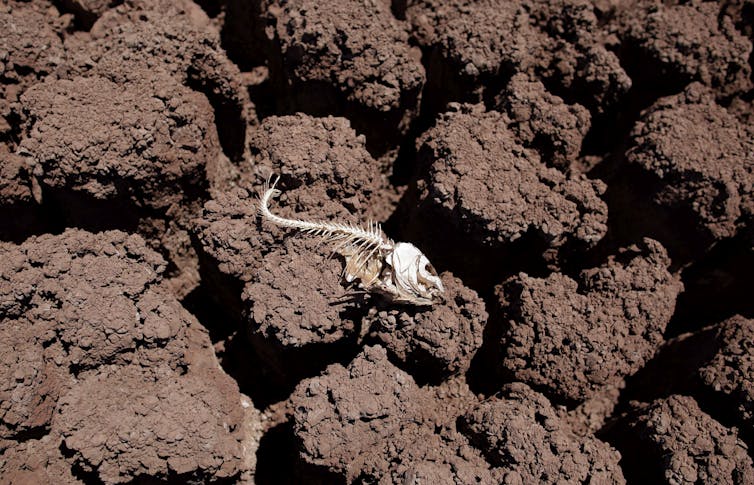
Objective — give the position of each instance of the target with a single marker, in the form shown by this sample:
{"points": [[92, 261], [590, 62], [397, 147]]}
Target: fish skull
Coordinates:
{"points": [[414, 275]]}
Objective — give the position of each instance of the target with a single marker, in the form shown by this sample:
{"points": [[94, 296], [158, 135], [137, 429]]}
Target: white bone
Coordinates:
{"points": [[397, 270]]}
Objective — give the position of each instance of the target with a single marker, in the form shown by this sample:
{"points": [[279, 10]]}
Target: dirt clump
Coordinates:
{"points": [[30, 49], [688, 174], [30, 386], [328, 163], [37, 461], [436, 342], [88, 309], [487, 193], [727, 376], [330, 57], [667, 46], [672, 440], [51, 328], [229, 244], [471, 151], [370, 419], [576, 58], [543, 121], [524, 438], [172, 425], [135, 41], [741, 12], [560, 43], [571, 338], [82, 131], [153, 155], [295, 301], [372, 402], [590, 416], [296, 275], [711, 364]]}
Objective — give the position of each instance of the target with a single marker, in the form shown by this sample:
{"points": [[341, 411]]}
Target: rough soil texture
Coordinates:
{"points": [[37, 461], [295, 300], [674, 441], [332, 58], [231, 245], [102, 359], [292, 301], [322, 161], [14, 187], [484, 190], [728, 374], [479, 173], [671, 45], [437, 342], [142, 38], [526, 441], [79, 133], [371, 420], [149, 152], [560, 42], [693, 161], [572, 338], [171, 425], [31, 49], [82, 131], [713, 365], [543, 121], [579, 172]]}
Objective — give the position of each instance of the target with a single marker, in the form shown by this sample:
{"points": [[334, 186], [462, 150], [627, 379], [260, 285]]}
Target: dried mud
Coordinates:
{"points": [[582, 178]]}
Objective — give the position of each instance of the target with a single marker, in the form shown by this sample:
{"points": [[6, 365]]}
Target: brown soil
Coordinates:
{"points": [[582, 177], [611, 325], [104, 369], [516, 431], [681, 444]]}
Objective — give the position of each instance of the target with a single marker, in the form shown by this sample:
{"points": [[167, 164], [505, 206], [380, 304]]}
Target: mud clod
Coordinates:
{"points": [[475, 164], [572, 338], [328, 57], [38, 461], [560, 42], [492, 197], [82, 131], [437, 342], [30, 49], [291, 286], [522, 436], [178, 426], [175, 39], [91, 334], [728, 375], [543, 121], [689, 163], [671, 45], [327, 164], [672, 440], [371, 420]]}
